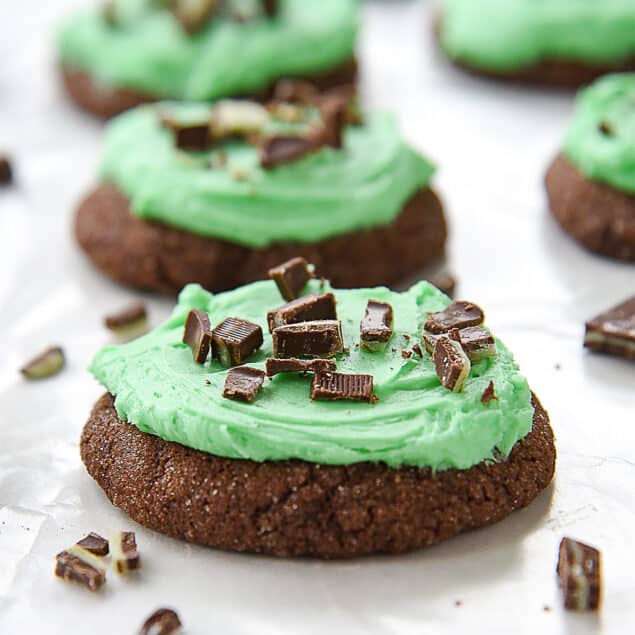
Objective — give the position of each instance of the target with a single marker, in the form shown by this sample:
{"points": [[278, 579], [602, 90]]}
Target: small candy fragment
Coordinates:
{"points": [[80, 566], [308, 308], [580, 576], [243, 383], [291, 277], [123, 547], [6, 172], [161, 622], [129, 323], [477, 342], [196, 334], [276, 151], [235, 340], [46, 364], [94, 543], [294, 365], [321, 338], [459, 314], [613, 331], [376, 327], [328, 386], [488, 393], [451, 363]]}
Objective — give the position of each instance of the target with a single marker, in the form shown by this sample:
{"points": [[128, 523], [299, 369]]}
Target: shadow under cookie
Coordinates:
{"points": [[297, 508], [151, 255], [598, 216]]}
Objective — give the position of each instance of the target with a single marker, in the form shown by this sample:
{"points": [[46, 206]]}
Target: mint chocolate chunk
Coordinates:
{"points": [[276, 151], [193, 15], [328, 386], [376, 326], [94, 543], [321, 338], [161, 622], [235, 340], [130, 322], [459, 314], [451, 363], [123, 548], [46, 364], [477, 342], [488, 393], [80, 566], [196, 334], [308, 308], [295, 365], [291, 277], [243, 383], [613, 331], [193, 137], [580, 576]]}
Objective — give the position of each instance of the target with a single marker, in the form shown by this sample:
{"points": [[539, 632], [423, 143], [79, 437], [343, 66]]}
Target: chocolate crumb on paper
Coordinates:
{"points": [[162, 622]]}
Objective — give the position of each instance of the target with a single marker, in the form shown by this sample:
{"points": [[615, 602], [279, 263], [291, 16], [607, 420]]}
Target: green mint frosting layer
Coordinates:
{"points": [[600, 139], [327, 193], [150, 52], [415, 421], [502, 35]]}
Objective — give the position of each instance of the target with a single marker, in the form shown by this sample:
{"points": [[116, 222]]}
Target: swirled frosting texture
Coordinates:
{"points": [[330, 192], [503, 35], [600, 140], [149, 51], [414, 422]]}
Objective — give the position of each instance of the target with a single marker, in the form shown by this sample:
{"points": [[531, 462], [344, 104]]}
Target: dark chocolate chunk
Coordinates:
{"points": [[94, 543], [6, 172], [44, 365], [295, 91], [606, 129], [80, 566], [416, 349], [279, 150], [376, 326], [333, 109], [161, 622], [322, 338], [488, 393], [235, 340], [445, 282], [243, 383], [477, 342], [328, 386], [613, 331], [459, 314], [270, 7], [308, 308], [451, 363], [196, 334], [194, 137], [580, 576], [130, 322], [193, 15], [294, 365], [291, 277], [125, 556]]}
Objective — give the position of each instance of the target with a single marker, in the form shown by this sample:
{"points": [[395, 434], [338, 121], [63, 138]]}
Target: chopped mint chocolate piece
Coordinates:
{"points": [[295, 365], [376, 327], [80, 566], [321, 338], [488, 393], [161, 622], [130, 322], [94, 543], [308, 308], [276, 151], [328, 386], [196, 334], [580, 575], [235, 340], [243, 383], [613, 331], [451, 363], [477, 342], [46, 364], [123, 547], [459, 314], [291, 277]]}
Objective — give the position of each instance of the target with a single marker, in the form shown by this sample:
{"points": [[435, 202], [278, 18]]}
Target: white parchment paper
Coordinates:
{"points": [[492, 144]]}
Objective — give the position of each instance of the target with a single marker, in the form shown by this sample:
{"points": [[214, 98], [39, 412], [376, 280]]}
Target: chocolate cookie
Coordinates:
{"points": [[151, 255], [106, 102], [597, 215], [294, 508]]}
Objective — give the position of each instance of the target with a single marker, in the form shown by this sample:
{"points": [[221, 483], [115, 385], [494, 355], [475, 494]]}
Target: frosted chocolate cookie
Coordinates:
{"points": [[129, 52], [557, 42], [591, 182], [302, 440], [217, 194]]}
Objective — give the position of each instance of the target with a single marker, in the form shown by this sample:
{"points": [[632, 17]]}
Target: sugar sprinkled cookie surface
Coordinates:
{"points": [[415, 420]]}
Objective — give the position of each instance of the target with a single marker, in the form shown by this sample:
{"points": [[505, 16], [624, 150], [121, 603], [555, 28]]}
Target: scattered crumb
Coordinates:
{"points": [[547, 609], [406, 354], [208, 382], [458, 603], [558, 367]]}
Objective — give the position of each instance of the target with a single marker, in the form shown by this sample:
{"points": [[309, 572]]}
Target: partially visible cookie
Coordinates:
{"points": [[557, 43], [591, 183], [296, 508]]}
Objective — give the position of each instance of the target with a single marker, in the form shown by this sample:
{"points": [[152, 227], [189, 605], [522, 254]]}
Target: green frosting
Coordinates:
{"points": [[150, 52], [327, 193], [503, 35], [415, 421], [600, 140]]}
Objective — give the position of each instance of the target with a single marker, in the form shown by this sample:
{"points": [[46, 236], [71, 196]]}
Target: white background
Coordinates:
{"points": [[492, 144]]}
